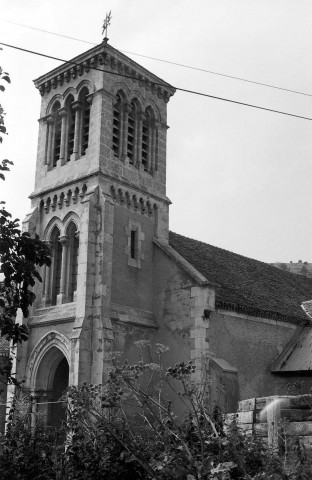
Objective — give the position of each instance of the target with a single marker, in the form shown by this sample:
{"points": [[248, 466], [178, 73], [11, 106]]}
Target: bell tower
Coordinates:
{"points": [[103, 117], [99, 201]]}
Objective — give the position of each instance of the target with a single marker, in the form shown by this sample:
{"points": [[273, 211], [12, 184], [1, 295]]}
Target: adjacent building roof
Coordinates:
{"points": [[297, 356], [307, 308], [246, 285]]}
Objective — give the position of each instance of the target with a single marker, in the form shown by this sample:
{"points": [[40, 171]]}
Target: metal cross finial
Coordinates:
{"points": [[106, 23]]}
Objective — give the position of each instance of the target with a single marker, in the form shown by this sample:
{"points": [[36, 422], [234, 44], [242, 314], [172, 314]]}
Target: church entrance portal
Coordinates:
{"points": [[51, 383]]}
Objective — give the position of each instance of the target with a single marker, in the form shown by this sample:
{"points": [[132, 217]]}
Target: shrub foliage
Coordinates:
{"points": [[128, 428]]}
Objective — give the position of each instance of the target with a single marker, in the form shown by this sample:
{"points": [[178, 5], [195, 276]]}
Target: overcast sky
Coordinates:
{"points": [[239, 178]]}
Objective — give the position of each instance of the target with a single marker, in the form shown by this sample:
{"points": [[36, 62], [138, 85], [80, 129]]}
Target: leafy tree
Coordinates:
{"points": [[304, 270], [20, 255]]}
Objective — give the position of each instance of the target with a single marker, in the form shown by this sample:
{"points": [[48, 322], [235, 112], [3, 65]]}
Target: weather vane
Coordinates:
{"points": [[106, 23]]}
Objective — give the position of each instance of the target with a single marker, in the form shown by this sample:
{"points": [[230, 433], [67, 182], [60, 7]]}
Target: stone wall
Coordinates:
{"points": [[278, 420], [251, 344]]}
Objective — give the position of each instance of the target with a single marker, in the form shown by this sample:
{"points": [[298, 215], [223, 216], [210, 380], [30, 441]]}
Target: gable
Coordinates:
{"points": [[246, 285]]}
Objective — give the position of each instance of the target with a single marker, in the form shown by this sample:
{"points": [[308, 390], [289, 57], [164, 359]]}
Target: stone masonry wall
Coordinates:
{"points": [[251, 344]]}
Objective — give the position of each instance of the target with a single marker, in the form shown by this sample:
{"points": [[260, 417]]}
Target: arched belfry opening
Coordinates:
{"points": [[51, 383]]}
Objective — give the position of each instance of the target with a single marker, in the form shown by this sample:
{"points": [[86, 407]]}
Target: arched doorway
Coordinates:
{"points": [[51, 383]]}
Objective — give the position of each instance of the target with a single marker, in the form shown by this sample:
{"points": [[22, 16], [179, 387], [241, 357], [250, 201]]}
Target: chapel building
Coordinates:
{"points": [[117, 274]]}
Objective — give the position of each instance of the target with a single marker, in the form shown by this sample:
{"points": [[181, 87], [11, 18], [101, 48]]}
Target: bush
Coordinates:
{"points": [[128, 429]]}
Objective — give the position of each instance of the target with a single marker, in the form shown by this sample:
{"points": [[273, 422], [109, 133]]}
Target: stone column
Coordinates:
{"points": [[62, 296], [33, 414], [46, 300], [63, 114], [77, 108], [51, 124]]}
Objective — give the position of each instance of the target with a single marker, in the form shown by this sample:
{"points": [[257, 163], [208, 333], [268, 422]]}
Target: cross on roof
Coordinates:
{"points": [[106, 23]]}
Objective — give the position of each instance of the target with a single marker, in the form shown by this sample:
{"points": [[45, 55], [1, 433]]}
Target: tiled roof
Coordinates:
{"points": [[307, 308], [246, 285], [297, 356]]}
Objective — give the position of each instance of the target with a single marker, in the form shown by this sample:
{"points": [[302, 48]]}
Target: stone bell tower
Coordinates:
{"points": [[99, 200]]}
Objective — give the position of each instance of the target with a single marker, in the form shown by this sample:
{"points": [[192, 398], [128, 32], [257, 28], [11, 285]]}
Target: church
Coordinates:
{"points": [[118, 274]]}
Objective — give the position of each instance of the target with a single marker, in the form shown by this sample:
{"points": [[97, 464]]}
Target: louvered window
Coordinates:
{"points": [[73, 253], [131, 133], [74, 273], [117, 127], [57, 264], [85, 122], [70, 132], [57, 135], [145, 141]]}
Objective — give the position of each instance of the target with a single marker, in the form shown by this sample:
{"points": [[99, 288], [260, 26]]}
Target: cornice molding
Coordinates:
{"points": [[110, 60], [124, 183]]}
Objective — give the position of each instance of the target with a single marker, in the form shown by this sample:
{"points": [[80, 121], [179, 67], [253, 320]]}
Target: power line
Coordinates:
{"points": [[190, 67], [71, 62], [51, 33]]}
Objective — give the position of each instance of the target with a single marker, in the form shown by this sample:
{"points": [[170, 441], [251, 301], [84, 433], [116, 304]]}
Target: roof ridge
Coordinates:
{"points": [[183, 263], [266, 264], [247, 285]]}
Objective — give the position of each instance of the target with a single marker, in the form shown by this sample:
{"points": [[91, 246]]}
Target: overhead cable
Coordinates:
{"points": [[190, 67], [193, 92]]}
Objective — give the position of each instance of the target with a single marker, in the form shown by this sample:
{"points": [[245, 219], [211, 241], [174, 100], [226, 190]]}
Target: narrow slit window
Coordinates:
{"points": [[133, 247]]}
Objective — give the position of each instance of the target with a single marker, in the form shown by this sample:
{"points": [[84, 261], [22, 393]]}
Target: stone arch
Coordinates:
{"points": [[85, 83], [56, 98], [71, 217], [48, 377], [48, 349], [83, 92], [121, 87], [123, 95], [137, 95], [154, 108], [69, 91], [138, 101], [55, 221]]}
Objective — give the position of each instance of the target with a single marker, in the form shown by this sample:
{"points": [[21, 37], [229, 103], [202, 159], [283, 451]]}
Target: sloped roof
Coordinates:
{"points": [[297, 356], [307, 308], [247, 285]]}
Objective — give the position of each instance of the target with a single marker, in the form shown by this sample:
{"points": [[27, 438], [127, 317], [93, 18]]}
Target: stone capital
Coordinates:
{"points": [[62, 112], [127, 107], [50, 119], [77, 105], [141, 116], [64, 240], [44, 119], [89, 98]]}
